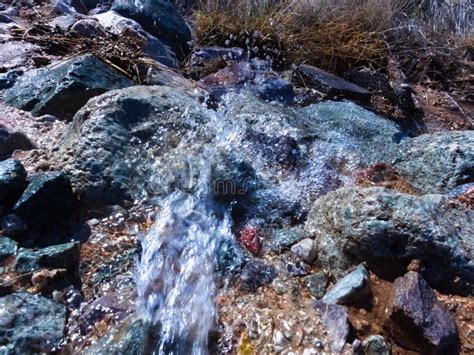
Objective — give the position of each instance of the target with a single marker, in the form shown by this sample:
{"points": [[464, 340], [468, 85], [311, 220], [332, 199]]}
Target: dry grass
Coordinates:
{"points": [[336, 36], [333, 34]]}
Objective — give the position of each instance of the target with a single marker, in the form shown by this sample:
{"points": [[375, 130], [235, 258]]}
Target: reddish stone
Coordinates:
{"points": [[249, 238]]}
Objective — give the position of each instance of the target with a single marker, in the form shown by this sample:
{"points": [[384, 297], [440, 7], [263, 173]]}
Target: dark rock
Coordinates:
{"points": [[8, 79], [159, 18], [154, 48], [30, 324], [306, 250], [13, 226], [97, 150], [438, 162], [376, 345], [72, 298], [131, 336], [317, 283], [296, 269], [419, 320], [48, 200], [62, 89], [57, 256], [255, 274], [351, 289], [5, 19], [88, 28], [12, 181], [11, 141], [8, 248], [386, 227], [275, 89], [335, 322], [209, 55], [41, 61], [63, 7], [117, 305], [230, 257], [369, 79], [328, 83]]}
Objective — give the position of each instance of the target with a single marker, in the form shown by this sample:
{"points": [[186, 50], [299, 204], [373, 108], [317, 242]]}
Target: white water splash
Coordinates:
{"points": [[176, 285]]}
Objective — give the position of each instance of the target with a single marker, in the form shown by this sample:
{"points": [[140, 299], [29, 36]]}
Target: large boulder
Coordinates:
{"points": [[111, 150], [418, 320], [62, 89], [387, 229], [48, 200], [12, 181], [438, 162], [30, 324], [131, 143], [159, 18]]}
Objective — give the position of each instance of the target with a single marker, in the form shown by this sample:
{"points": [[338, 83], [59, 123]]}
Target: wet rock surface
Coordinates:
{"points": [[62, 89], [377, 224], [30, 323]]}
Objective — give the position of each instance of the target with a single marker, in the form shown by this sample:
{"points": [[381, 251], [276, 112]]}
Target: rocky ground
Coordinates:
{"points": [[351, 207]]}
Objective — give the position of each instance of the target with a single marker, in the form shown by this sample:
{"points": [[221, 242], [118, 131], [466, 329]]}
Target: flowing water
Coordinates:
{"points": [[274, 159]]}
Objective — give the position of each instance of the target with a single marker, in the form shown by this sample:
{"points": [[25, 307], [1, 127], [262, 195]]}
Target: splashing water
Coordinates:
{"points": [[176, 285]]}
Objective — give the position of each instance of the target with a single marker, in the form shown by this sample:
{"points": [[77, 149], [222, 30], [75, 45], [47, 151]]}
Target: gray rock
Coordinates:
{"points": [[30, 324], [335, 322], [306, 250], [64, 256], [376, 345], [328, 83], [12, 181], [62, 89], [351, 289], [8, 248], [64, 22], [437, 162], [317, 283], [48, 198], [11, 141], [154, 48], [63, 7], [14, 54], [88, 28], [160, 19], [98, 150], [352, 225], [132, 336], [419, 321], [285, 238]]}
